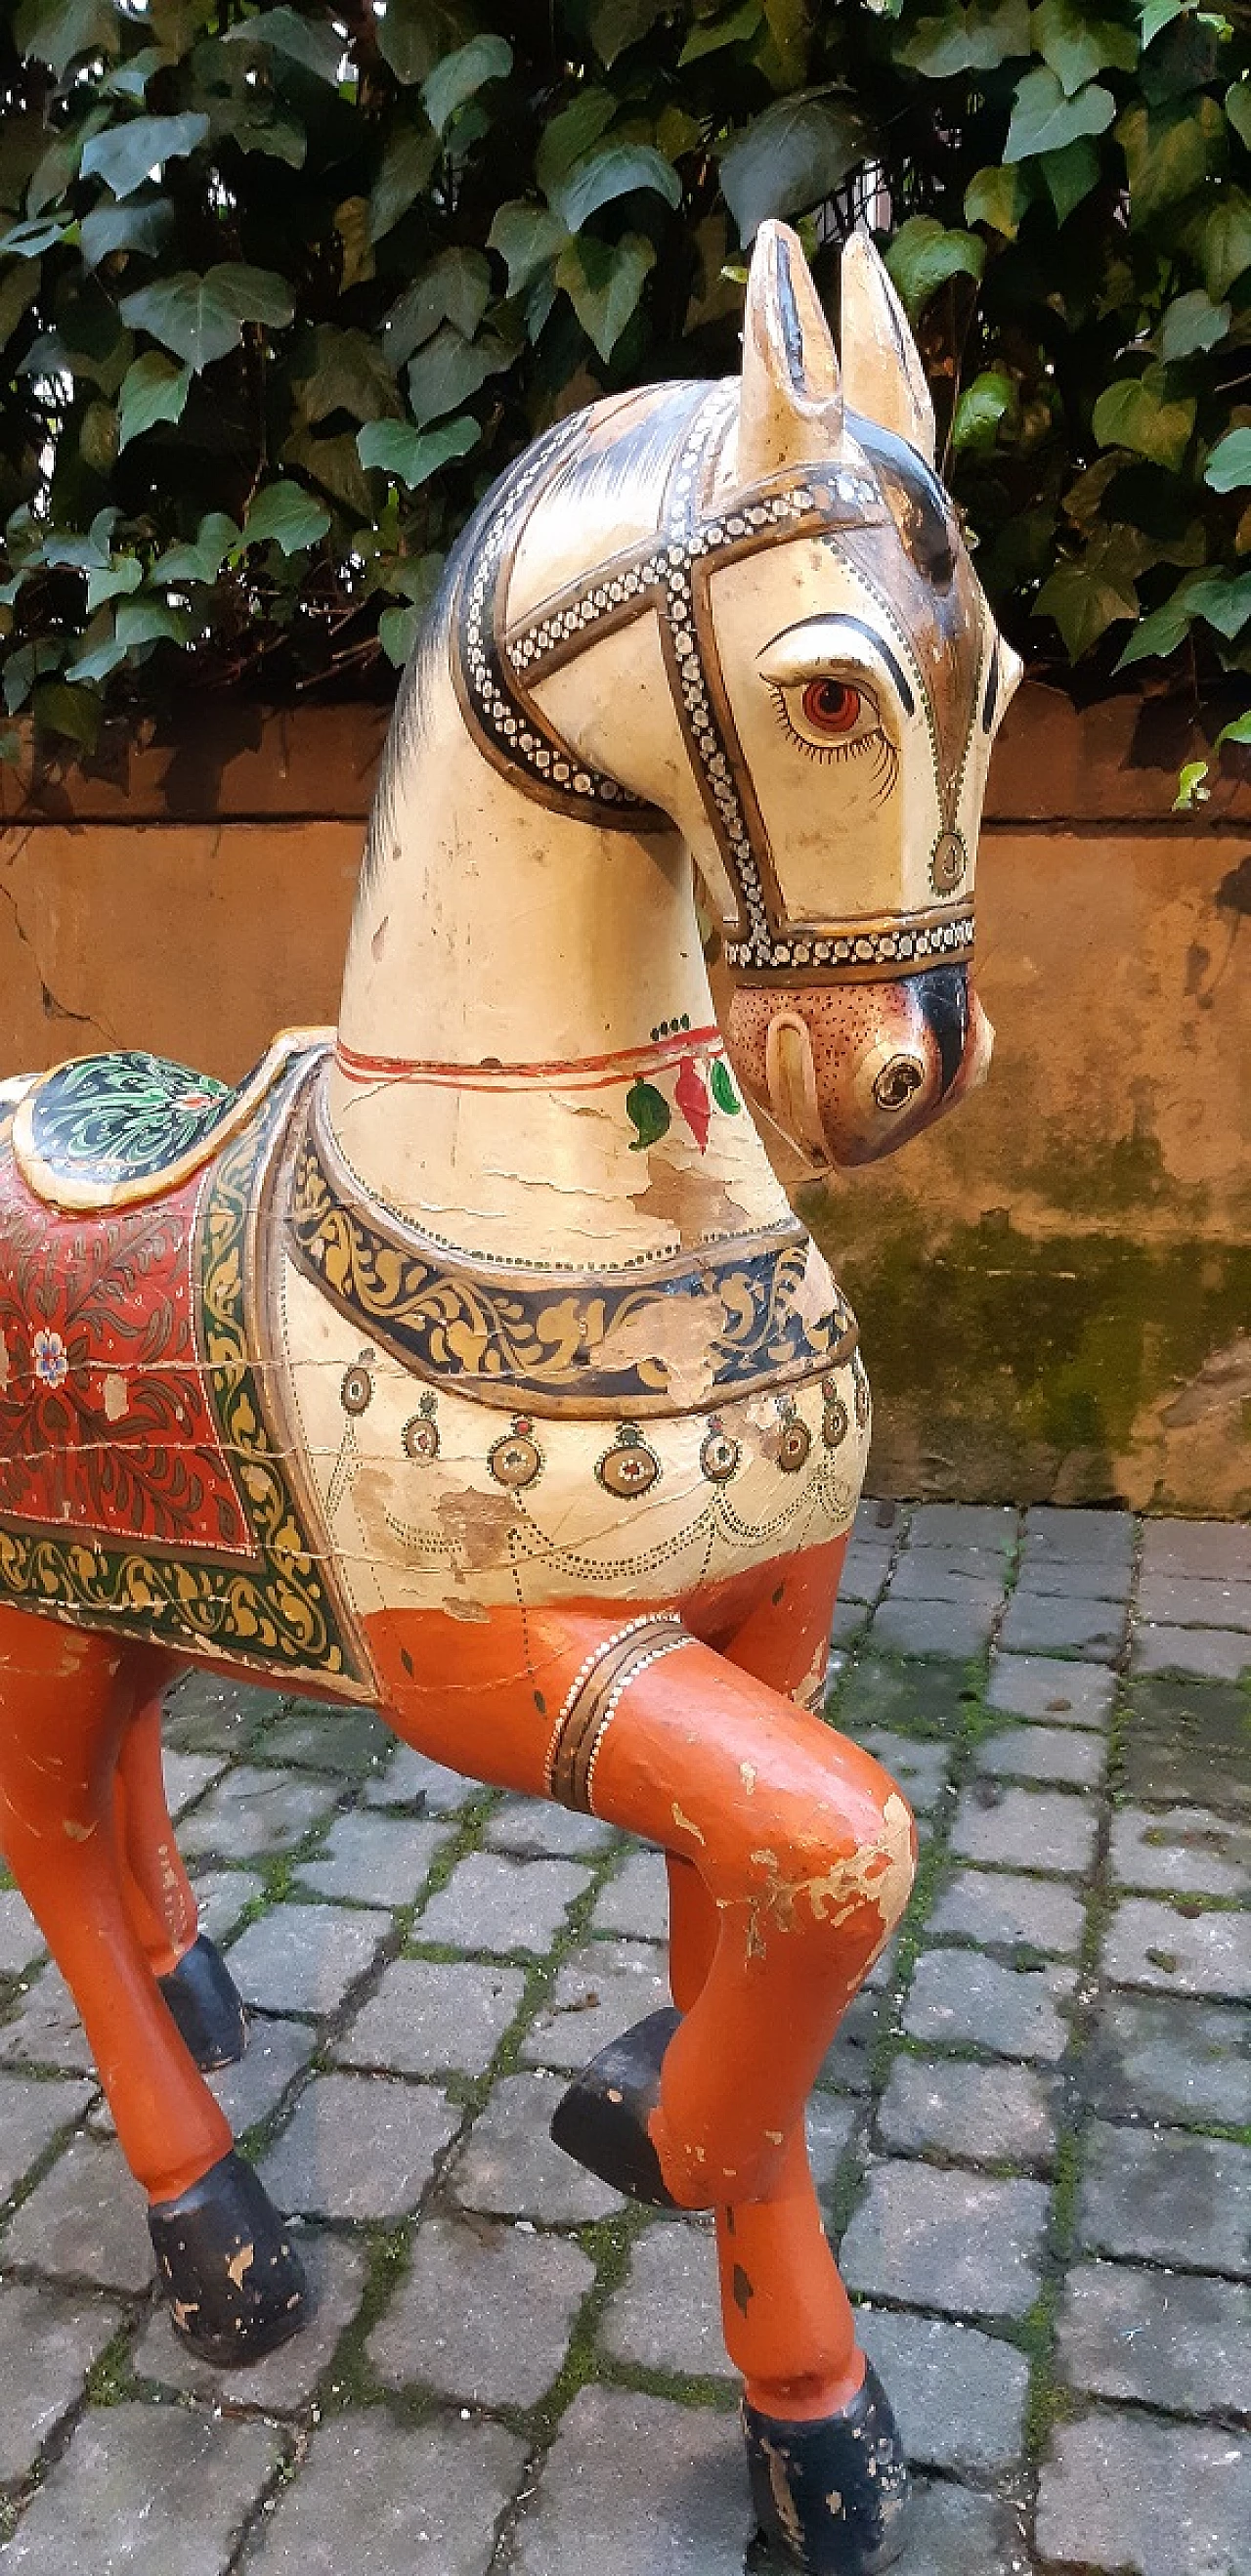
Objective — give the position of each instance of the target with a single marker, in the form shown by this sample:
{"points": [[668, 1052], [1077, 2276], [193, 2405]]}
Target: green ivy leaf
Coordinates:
{"points": [[614, 170], [615, 25], [983, 408], [975, 39], [456, 288], [461, 75], [130, 79], [714, 33], [1044, 118], [346, 371], [150, 621], [414, 33], [570, 135], [403, 174], [1226, 242], [1088, 593], [72, 712], [604, 281], [1158, 14], [1138, 412], [145, 228], [316, 47], [1077, 45], [450, 370], [397, 633], [527, 237], [791, 158], [18, 289], [1166, 153], [217, 537], [351, 223], [285, 515], [31, 240], [333, 464], [114, 581], [57, 168], [56, 32], [202, 318], [1238, 109], [923, 255], [153, 389], [1071, 174], [1000, 197], [1229, 465], [414, 455], [98, 438], [1222, 599], [89, 553], [1192, 323], [125, 155]]}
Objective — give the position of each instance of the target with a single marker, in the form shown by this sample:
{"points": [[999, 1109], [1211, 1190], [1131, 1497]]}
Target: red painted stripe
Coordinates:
{"points": [[482, 1076]]}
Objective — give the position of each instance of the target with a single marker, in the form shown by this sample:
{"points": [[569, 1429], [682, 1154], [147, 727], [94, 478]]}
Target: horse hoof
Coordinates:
{"points": [[602, 2120], [208, 2012], [831, 2497], [229, 2270]]}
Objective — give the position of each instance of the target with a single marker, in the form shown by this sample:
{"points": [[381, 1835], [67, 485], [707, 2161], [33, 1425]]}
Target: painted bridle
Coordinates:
{"points": [[497, 669]]}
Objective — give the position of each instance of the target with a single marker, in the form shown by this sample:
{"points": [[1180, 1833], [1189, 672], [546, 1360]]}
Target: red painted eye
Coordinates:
{"points": [[831, 706]]}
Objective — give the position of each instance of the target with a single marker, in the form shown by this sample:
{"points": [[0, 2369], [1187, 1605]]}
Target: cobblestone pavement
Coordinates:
{"points": [[1031, 2133]]}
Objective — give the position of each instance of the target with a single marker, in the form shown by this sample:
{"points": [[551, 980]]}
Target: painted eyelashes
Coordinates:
{"points": [[830, 719]]}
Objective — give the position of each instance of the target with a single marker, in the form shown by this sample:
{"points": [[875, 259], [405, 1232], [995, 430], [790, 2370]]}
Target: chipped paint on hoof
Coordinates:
{"points": [[228, 2267], [206, 2006], [602, 2120], [831, 2496]]}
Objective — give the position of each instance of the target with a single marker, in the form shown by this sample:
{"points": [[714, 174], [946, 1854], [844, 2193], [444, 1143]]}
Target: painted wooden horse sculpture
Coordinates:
{"points": [[472, 1364]]}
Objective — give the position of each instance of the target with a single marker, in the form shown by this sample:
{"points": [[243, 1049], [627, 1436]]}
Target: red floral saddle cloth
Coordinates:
{"points": [[146, 1479]]}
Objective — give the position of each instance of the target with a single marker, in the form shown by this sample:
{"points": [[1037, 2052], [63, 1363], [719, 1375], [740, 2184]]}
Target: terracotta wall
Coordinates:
{"points": [[1054, 1286]]}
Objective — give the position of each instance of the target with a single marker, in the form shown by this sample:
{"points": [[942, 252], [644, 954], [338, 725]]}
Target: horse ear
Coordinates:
{"points": [[884, 377], [790, 402]]}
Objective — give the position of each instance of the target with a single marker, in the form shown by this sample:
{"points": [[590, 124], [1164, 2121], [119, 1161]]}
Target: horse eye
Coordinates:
{"points": [[832, 707]]}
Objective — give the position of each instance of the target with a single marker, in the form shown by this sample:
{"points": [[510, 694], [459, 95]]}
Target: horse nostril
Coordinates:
{"points": [[897, 1082]]}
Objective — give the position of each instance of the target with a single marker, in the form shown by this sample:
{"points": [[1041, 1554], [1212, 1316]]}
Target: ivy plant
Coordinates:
{"points": [[282, 288]]}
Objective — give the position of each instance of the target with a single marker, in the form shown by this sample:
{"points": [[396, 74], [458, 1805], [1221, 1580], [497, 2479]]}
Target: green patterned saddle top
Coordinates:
{"points": [[107, 1130]]}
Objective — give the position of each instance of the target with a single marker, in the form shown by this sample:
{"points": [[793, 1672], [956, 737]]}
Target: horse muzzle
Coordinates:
{"points": [[850, 1071]]}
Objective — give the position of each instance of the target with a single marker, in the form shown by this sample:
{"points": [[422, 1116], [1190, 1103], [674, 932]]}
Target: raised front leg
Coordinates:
{"points": [[189, 1968], [228, 2268]]}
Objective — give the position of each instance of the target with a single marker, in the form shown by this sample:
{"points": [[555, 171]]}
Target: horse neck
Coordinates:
{"points": [[509, 972]]}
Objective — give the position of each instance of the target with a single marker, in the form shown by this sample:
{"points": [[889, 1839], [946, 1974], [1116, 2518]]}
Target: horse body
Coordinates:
{"points": [[472, 1364]]}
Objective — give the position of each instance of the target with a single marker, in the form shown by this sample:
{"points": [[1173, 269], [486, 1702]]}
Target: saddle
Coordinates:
{"points": [[108, 1131]]}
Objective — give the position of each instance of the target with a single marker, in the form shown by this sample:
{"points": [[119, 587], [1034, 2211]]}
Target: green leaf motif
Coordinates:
{"points": [[1044, 118], [403, 173], [1137, 412], [143, 228], [610, 171], [414, 455], [604, 282], [527, 237], [649, 1114], [202, 318], [1229, 466], [1077, 45], [461, 75], [791, 158], [125, 155], [721, 1085], [153, 388], [316, 47], [998, 196], [284, 514], [923, 255], [975, 39]]}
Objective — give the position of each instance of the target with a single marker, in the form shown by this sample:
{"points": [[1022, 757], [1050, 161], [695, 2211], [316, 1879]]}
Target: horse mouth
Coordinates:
{"points": [[851, 1072]]}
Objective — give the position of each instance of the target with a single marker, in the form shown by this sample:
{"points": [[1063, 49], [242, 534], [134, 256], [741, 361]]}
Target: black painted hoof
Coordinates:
{"points": [[229, 2270], [202, 1997], [831, 2497], [602, 2120]]}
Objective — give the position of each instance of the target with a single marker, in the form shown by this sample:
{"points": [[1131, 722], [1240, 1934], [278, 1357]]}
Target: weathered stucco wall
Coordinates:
{"points": [[1054, 1285]]}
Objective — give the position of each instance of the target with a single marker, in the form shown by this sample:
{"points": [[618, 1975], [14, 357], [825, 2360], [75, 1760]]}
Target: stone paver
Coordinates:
{"points": [[49, 2339], [1058, 1623], [21, 1941], [1172, 2061], [535, 1830], [1000, 1909], [222, 1896], [304, 1958], [493, 1903], [187, 1775], [930, 1574], [1213, 1654], [962, 2243], [30, 2116], [958, 2395], [1165, 2197], [45, 2030], [485, 2313], [151, 2491], [919, 1768], [359, 2146], [252, 1814], [667, 2313], [276, 2052], [1040, 1829], [1194, 1601], [204, 1714], [1212, 1551], [636, 1901], [960, 1999], [284, 2381], [986, 2115], [350, 1742], [637, 2481], [1079, 1537], [513, 2167], [430, 2015], [922, 1698], [1043, 1686], [86, 2220], [598, 1993], [1185, 1744], [378, 1860], [1059, 1753], [1183, 2344], [956, 1629], [983, 1525], [1189, 1851], [1149, 1943], [408, 1779], [384, 2499], [1123, 2491]]}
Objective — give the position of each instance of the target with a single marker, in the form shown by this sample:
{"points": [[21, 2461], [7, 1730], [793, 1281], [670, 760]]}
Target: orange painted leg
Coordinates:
{"points": [[65, 1699], [192, 1975]]}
